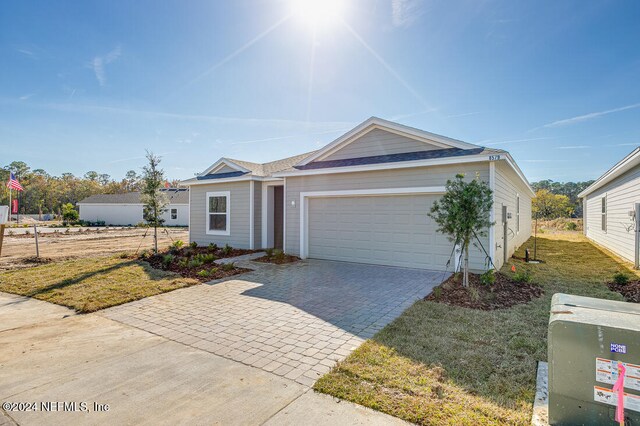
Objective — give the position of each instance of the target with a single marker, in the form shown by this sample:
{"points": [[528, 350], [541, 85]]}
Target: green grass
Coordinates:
{"points": [[437, 364], [90, 284]]}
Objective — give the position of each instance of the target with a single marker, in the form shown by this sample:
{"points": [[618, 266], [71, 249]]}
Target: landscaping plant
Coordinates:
{"points": [[154, 200], [620, 278], [463, 214]]}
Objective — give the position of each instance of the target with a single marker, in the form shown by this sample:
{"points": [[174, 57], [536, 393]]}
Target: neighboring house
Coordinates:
{"points": [[126, 209], [611, 206], [362, 198]]}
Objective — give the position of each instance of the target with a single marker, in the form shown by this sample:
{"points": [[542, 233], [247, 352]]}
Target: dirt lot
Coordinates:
{"points": [[17, 250]]}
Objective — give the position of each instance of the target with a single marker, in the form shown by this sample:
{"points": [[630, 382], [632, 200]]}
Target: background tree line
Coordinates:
{"points": [[45, 193], [558, 199]]}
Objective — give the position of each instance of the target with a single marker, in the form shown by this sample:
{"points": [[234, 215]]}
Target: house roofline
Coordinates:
{"points": [[195, 181], [376, 122], [629, 161]]}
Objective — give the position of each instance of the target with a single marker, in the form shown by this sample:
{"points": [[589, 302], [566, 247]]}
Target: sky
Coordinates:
{"points": [[91, 85]]}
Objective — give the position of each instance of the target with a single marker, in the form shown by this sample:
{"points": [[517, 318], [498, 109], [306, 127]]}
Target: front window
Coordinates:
{"points": [[218, 213], [174, 214]]}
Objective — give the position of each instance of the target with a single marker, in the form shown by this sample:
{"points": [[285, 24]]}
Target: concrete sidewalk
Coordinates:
{"points": [[50, 355]]}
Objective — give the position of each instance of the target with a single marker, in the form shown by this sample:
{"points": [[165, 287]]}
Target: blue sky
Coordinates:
{"points": [[90, 85]]}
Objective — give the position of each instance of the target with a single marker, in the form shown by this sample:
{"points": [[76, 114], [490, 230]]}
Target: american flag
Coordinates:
{"points": [[13, 183]]}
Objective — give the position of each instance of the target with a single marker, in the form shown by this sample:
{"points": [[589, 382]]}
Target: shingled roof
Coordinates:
{"points": [[175, 196], [394, 158]]}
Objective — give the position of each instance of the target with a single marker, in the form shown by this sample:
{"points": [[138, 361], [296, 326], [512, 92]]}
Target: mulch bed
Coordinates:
{"points": [[287, 258], [215, 271], [630, 290], [504, 293]]}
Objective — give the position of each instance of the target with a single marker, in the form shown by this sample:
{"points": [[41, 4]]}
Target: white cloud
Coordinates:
{"points": [[99, 63], [590, 116], [25, 97], [405, 12], [572, 147], [513, 141]]}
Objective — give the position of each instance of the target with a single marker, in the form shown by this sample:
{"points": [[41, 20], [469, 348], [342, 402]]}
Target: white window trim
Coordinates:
{"points": [[304, 204], [605, 213], [226, 194], [517, 214]]}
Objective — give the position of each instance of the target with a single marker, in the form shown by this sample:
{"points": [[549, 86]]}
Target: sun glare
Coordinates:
{"points": [[318, 13]]}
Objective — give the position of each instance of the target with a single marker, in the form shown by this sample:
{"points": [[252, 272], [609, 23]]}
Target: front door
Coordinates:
{"points": [[278, 216]]}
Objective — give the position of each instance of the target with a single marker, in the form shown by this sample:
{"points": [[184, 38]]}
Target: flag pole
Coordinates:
{"points": [[10, 206]]}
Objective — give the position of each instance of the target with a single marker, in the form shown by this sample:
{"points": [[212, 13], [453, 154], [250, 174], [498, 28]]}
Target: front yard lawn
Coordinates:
{"points": [[440, 364], [90, 284]]}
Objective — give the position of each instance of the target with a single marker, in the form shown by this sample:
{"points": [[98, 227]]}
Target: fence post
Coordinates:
{"points": [[35, 233], [1, 237]]}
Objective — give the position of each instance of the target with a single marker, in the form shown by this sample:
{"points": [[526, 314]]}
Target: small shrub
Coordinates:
{"points": [[10, 233], [226, 250], [144, 254], [195, 263], [213, 247], [620, 278], [209, 258], [167, 259], [177, 244], [488, 278], [204, 273], [193, 245], [571, 226], [27, 232], [228, 267], [474, 293], [123, 255], [269, 253], [522, 277], [278, 255], [183, 263]]}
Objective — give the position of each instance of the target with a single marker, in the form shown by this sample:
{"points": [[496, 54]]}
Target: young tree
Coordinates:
{"points": [[463, 214], [69, 213], [154, 200], [546, 205]]}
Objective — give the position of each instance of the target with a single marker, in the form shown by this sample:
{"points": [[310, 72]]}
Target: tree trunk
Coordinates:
{"points": [[465, 281], [155, 238]]}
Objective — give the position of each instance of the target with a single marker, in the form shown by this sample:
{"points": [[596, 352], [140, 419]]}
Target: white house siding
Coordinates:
{"points": [[622, 194], [183, 215], [112, 214], [129, 214], [396, 178], [239, 217], [507, 188], [380, 142]]}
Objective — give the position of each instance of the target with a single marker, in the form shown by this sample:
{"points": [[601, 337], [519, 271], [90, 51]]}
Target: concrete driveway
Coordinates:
{"points": [[192, 355], [292, 320]]}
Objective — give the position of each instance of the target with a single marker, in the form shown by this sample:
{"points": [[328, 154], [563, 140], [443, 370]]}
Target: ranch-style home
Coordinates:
{"points": [[362, 198], [612, 208], [126, 209]]}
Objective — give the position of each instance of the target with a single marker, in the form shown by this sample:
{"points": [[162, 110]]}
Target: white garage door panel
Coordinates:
{"points": [[387, 230]]}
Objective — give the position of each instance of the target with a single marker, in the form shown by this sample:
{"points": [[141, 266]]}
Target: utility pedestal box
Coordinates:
{"points": [[587, 337]]}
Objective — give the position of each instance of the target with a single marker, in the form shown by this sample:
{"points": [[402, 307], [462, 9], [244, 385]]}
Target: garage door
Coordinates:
{"points": [[383, 230]]}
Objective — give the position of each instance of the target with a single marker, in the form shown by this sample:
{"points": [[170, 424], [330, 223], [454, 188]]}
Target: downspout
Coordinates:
{"points": [[251, 215]]}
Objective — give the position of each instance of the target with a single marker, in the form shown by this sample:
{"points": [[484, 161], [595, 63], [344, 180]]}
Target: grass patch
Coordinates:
{"points": [[90, 284], [440, 364]]}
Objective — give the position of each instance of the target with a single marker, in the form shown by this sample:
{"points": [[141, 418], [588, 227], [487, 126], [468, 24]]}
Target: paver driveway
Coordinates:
{"points": [[293, 320]]}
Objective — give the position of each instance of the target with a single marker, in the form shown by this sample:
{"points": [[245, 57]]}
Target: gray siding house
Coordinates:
{"points": [[362, 198], [611, 209]]}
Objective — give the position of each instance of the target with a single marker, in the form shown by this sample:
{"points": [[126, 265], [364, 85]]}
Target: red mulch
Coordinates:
{"points": [[287, 258], [630, 290], [504, 293]]}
